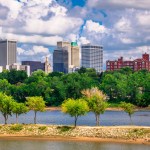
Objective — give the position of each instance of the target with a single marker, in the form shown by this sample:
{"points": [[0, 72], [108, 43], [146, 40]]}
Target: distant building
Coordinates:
{"points": [[8, 52], [60, 60], [75, 55], [17, 66], [92, 57], [135, 65], [37, 65], [66, 57]]}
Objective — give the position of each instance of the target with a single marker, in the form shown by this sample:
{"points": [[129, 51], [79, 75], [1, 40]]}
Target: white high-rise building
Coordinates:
{"points": [[92, 57], [8, 52]]}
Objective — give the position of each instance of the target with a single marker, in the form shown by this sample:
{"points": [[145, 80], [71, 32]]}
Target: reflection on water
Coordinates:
{"points": [[51, 145], [107, 119]]}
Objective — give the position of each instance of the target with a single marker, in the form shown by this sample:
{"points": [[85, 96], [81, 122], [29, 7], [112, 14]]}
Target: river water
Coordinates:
{"points": [[109, 118], [60, 145]]}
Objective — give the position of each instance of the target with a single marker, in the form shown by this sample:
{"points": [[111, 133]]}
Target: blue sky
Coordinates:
{"points": [[121, 26]]}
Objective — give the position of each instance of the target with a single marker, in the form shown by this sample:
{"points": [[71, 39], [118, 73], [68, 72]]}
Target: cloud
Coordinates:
{"points": [[55, 25], [118, 4], [91, 26], [120, 26], [83, 40], [143, 19], [34, 39], [93, 32], [34, 53]]}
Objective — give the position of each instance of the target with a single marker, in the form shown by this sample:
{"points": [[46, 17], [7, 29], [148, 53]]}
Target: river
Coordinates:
{"points": [[109, 118], [60, 145]]}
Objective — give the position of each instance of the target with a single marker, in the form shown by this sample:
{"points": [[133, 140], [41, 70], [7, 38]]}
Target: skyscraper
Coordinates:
{"points": [[66, 57], [8, 52], [92, 57], [75, 57]]}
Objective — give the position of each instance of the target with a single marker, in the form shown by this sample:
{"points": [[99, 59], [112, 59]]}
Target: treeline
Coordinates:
{"points": [[123, 85]]}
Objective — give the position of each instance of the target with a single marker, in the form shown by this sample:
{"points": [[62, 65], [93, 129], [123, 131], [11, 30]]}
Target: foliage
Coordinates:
{"points": [[6, 105], [4, 86], [36, 104], [96, 102], [75, 108], [18, 109], [17, 127], [14, 76], [126, 85], [54, 88], [128, 108]]}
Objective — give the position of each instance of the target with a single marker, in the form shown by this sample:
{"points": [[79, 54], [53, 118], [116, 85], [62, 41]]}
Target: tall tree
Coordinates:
{"points": [[96, 102], [18, 109], [128, 108], [6, 105], [36, 104], [75, 108]]}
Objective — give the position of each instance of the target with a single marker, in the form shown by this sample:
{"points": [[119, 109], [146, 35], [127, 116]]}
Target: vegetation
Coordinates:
{"points": [[36, 104], [54, 88], [17, 127], [75, 108], [96, 102], [6, 105], [128, 108], [18, 109]]}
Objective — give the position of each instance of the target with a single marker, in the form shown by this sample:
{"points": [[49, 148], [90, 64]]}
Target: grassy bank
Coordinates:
{"points": [[125, 133]]}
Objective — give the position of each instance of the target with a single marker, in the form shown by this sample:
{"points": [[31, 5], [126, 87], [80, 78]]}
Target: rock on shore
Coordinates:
{"points": [[111, 132]]}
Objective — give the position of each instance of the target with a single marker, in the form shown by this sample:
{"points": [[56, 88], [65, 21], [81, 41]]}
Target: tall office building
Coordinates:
{"points": [[92, 57], [75, 57], [60, 60], [8, 52], [67, 46], [66, 57]]}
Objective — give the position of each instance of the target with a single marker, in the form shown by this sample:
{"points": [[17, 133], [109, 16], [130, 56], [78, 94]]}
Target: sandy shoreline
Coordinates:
{"points": [[113, 134], [71, 139]]}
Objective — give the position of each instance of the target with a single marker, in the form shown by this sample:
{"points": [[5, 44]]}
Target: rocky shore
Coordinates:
{"points": [[135, 134]]}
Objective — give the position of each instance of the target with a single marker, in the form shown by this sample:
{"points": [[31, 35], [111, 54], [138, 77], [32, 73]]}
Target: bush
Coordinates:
{"points": [[42, 128], [64, 128], [17, 127]]}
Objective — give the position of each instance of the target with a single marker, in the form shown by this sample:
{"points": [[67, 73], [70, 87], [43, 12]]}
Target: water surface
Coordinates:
{"points": [[59, 145], [109, 118]]}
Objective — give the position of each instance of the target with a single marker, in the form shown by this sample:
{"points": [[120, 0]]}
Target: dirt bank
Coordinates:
{"points": [[128, 134]]}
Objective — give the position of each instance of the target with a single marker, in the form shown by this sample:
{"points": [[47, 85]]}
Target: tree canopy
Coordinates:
{"points": [[75, 108]]}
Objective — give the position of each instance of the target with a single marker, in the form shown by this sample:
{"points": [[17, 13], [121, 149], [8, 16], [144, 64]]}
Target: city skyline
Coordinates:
{"points": [[122, 28]]}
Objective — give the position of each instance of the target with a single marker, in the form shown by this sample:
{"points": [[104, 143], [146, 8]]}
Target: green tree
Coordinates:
{"points": [[96, 102], [128, 108], [36, 104], [15, 76], [18, 109], [75, 108], [6, 105], [4, 86]]}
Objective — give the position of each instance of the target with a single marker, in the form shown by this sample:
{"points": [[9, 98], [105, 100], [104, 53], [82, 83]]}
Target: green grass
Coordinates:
{"points": [[17, 127]]}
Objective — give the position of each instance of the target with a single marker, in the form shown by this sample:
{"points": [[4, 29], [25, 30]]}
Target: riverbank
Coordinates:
{"points": [[110, 108], [123, 134]]}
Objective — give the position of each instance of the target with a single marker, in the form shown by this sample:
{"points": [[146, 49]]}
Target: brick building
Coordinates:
{"points": [[135, 65]]}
